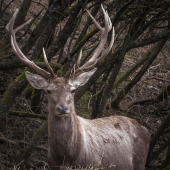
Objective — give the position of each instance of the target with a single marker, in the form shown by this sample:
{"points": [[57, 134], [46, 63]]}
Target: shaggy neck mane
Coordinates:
{"points": [[62, 134]]}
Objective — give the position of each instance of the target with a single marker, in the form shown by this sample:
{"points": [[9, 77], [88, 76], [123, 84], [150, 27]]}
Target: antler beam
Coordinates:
{"points": [[20, 55], [89, 65]]}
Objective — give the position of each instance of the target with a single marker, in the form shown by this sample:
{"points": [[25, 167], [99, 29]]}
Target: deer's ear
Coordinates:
{"points": [[37, 81], [82, 78]]}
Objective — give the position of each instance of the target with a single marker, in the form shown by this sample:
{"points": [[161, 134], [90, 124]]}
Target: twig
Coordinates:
{"points": [[37, 147], [155, 138], [15, 167], [41, 5], [24, 137], [157, 78], [28, 28], [4, 162], [99, 90], [16, 142], [9, 55], [141, 101], [160, 149], [125, 111], [95, 94], [27, 114], [33, 142], [48, 10], [7, 140], [2, 13]]}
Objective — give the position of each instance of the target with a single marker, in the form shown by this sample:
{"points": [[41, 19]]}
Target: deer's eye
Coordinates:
{"points": [[73, 91], [48, 91]]}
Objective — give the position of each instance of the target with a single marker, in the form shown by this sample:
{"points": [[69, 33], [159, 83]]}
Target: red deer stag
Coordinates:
{"points": [[116, 141]]}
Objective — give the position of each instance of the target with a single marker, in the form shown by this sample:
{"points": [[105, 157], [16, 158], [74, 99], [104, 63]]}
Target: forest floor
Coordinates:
{"points": [[20, 130]]}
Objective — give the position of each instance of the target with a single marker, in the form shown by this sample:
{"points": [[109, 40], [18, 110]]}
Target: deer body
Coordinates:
{"points": [[111, 141], [118, 142], [100, 141]]}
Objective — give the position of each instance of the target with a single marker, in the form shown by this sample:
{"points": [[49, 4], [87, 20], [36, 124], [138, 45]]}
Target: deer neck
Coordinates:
{"points": [[62, 133]]}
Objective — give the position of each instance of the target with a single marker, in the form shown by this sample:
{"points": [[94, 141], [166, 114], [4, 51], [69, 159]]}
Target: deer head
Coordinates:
{"points": [[61, 90]]}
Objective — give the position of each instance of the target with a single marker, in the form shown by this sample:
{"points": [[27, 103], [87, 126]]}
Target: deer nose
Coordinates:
{"points": [[62, 109]]}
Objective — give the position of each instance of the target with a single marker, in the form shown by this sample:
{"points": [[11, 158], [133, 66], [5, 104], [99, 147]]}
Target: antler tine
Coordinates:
{"points": [[18, 52], [9, 26], [78, 60], [106, 52], [71, 73], [47, 64], [109, 22], [106, 19], [95, 22], [104, 34]]}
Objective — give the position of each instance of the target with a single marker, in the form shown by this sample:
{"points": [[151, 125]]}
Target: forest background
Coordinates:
{"points": [[133, 80]]}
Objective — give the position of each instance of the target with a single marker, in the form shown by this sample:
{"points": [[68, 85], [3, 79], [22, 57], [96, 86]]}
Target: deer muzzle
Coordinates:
{"points": [[62, 109]]}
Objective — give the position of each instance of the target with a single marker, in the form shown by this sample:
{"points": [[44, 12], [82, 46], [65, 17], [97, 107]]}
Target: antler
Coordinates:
{"points": [[89, 65], [20, 55]]}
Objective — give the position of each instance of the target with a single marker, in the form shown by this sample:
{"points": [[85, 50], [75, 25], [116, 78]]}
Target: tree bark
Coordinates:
{"points": [[27, 114], [153, 54], [114, 74], [20, 19], [159, 132]]}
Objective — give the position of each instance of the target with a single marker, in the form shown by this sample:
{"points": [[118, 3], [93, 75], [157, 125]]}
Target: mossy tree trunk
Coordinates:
{"points": [[12, 91], [36, 101]]}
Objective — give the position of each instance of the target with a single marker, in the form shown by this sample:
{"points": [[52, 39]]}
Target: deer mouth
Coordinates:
{"points": [[63, 113]]}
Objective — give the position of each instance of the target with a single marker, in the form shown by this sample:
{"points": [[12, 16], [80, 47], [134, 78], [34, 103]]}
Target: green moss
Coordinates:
{"points": [[162, 71], [148, 54], [84, 98], [33, 95], [23, 151], [84, 114], [117, 78], [40, 59], [14, 112], [87, 37], [22, 75], [6, 97], [62, 71], [3, 47], [29, 89], [101, 64], [67, 11], [167, 168], [33, 26], [2, 53], [82, 107], [158, 4], [7, 94]]}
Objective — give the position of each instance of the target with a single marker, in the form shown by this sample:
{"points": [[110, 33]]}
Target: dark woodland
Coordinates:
{"points": [[132, 81]]}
